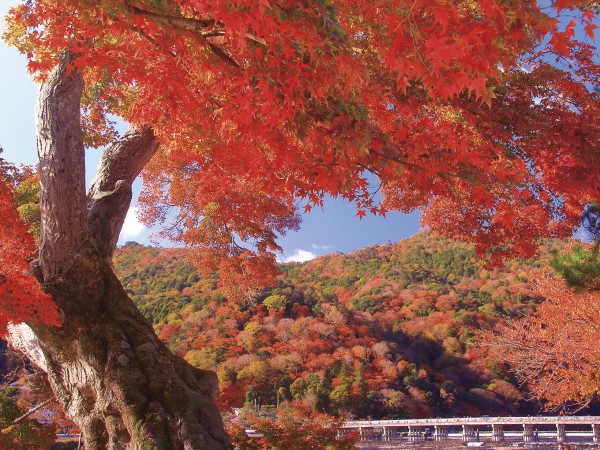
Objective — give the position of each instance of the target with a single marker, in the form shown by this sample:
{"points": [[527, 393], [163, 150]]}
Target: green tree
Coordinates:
{"points": [[276, 302], [21, 434], [580, 268], [298, 388]]}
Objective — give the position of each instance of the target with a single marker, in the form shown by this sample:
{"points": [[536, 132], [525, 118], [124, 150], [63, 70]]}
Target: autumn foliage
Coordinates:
{"points": [[469, 110], [553, 351], [293, 431], [385, 332], [20, 294], [480, 113], [26, 434]]}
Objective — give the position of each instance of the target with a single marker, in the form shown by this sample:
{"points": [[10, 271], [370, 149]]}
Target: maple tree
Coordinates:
{"points": [[20, 294], [552, 351], [479, 112], [294, 431]]}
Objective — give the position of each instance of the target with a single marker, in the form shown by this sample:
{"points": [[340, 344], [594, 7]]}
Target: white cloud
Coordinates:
{"points": [[321, 247], [300, 255], [132, 227]]}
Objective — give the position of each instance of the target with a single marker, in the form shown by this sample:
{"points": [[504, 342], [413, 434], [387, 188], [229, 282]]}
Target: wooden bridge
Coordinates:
{"points": [[476, 429]]}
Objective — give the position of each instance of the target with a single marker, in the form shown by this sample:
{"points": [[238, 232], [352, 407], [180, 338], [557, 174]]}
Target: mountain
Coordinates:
{"points": [[384, 332]]}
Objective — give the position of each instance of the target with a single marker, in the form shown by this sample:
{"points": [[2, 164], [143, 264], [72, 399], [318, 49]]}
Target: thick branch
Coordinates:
{"points": [[110, 194], [39, 406], [191, 24], [186, 23], [62, 169]]}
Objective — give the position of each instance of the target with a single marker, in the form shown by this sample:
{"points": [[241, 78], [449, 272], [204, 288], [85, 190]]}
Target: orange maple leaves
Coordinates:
{"points": [[261, 104], [552, 351], [21, 297]]}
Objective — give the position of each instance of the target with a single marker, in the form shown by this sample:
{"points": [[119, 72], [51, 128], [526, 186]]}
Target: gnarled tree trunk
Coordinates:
{"points": [[113, 376]]}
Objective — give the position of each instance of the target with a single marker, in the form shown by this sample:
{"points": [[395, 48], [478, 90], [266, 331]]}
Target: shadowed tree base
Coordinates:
{"points": [[115, 378]]}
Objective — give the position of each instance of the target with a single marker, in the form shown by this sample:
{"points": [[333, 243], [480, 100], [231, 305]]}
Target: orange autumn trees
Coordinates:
{"points": [[258, 103], [553, 351], [406, 352], [295, 431], [482, 113]]}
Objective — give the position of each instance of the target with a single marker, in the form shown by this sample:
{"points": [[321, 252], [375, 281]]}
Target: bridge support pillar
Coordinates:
{"points": [[596, 432], [415, 434], [497, 432], [528, 432], [384, 434], [441, 433], [469, 433], [561, 435], [362, 434]]}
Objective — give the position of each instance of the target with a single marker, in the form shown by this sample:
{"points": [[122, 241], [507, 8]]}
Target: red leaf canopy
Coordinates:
{"points": [[482, 113]]}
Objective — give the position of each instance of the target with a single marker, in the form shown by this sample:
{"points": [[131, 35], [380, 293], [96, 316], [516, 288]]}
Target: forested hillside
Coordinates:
{"points": [[384, 332]]}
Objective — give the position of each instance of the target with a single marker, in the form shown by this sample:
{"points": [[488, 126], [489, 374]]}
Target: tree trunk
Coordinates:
{"points": [[114, 378], [112, 375]]}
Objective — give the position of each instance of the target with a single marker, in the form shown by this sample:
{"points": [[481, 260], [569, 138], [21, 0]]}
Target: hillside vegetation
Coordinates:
{"points": [[384, 332]]}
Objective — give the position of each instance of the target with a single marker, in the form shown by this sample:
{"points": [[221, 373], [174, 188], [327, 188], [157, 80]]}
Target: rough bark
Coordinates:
{"points": [[62, 169], [114, 377], [106, 366], [110, 194]]}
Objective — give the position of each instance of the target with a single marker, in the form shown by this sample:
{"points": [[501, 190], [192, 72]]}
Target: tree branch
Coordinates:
{"points": [[110, 194], [196, 26], [62, 168], [18, 420], [186, 23]]}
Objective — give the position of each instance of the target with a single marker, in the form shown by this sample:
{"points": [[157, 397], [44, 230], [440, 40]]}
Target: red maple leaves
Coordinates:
{"points": [[21, 298], [258, 104]]}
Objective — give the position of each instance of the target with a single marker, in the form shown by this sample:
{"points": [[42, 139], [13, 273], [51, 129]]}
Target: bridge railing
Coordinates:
{"points": [[458, 421]]}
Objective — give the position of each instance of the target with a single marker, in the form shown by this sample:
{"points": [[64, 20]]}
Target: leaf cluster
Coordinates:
{"points": [[264, 108]]}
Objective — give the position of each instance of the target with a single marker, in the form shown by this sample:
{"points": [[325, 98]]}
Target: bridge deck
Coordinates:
{"points": [[482, 421]]}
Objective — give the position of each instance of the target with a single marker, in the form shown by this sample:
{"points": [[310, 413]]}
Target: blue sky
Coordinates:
{"points": [[334, 229]]}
